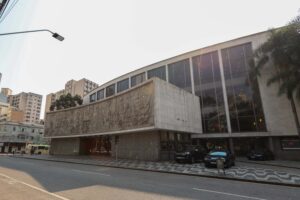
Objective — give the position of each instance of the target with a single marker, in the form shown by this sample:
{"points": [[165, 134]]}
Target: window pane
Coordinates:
{"points": [[110, 90], [100, 94], [179, 74], [137, 79], [208, 87], [122, 85], [159, 72], [93, 97], [244, 100]]}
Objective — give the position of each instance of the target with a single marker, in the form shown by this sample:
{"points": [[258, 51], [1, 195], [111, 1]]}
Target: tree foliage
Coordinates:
{"points": [[282, 53], [66, 101]]}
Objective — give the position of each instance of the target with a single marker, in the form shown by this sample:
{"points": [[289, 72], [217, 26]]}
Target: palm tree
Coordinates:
{"points": [[282, 50]]}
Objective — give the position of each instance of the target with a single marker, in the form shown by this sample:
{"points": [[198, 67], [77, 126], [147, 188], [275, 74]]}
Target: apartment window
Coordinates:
{"points": [[110, 90], [137, 79], [159, 72], [122, 85], [92, 97], [14, 128], [180, 75], [100, 94], [32, 131]]}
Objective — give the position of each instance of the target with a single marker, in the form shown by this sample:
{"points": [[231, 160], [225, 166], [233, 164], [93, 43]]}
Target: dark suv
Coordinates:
{"points": [[191, 154]]}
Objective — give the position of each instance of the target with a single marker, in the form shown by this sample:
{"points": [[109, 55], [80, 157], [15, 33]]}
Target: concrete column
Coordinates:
{"points": [[224, 92], [146, 75], [129, 82], [192, 77], [270, 144], [167, 73]]}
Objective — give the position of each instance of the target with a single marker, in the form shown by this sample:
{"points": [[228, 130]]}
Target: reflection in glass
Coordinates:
{"points": [[100, 94], [179, 74], [244, 100], [110, 90], [208, 87], [137, 79], [159, 72], [122, 85]]}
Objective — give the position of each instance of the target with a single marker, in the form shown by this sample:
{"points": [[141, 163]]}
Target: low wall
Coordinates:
{"points": [[65, 146], [137, 146]]}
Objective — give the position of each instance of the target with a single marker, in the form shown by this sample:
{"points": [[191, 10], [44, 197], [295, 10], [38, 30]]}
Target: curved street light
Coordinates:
{"points": [[55, 35]]}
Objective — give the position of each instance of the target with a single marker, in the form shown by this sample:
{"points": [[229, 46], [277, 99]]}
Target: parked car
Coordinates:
{"points": [[211, 158], [264, 154], [191, 154]]}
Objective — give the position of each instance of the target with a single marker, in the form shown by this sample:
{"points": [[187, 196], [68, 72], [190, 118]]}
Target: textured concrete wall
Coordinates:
{"points": [[129, 110], [137, 146], [277, 109], [65, 146], [176, 109]]}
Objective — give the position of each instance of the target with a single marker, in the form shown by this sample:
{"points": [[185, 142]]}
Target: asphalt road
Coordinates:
{"points": [[33, 179]]}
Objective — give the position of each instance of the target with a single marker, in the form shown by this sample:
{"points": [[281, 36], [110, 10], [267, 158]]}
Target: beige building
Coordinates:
{"points": [[6, 91], [81, 88], [29, 103], [9, 113]]}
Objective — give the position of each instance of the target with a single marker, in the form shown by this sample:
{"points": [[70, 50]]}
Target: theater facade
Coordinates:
{"points": [[204, 97]]}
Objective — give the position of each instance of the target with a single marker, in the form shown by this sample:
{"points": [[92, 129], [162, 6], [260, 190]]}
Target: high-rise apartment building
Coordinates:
{"points": [[6, 91], [81, 87], [29, 103], [73, 87]]}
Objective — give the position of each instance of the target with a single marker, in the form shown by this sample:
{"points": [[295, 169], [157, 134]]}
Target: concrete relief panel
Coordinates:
{"points": [[130, 110]]}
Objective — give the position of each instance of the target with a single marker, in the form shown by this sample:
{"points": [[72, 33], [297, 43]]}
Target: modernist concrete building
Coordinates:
{"points": [[206, 96]]}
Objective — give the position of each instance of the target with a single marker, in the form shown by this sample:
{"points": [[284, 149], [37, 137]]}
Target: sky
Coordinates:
{"points": [[106, 39]]}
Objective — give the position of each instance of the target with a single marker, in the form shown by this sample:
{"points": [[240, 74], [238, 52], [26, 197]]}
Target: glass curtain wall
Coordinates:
{"points": [[208, 86], [159, 72], [244, 102], [180, 75]]}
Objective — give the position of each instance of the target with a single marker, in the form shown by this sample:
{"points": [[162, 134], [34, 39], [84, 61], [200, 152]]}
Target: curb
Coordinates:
{"points": [[275, 165], [168, 172]]}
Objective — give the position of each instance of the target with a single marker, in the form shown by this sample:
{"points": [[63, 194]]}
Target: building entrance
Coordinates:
{"points": [[99, 145]]}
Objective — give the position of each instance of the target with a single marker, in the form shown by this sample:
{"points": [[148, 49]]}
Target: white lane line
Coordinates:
{"points": [[229, 194], [88, 172], [33, 187]]}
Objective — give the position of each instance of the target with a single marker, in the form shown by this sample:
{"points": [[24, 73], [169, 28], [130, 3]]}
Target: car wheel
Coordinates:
{"points": [[206, 165], [233, 163]]}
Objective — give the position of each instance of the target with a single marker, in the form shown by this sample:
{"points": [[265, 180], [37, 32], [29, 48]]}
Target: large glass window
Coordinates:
{"points": [[100, 94], [93, 97], [179, 74], [122, 85], [208, 87], [159, 72], [137, 79], [244, 102], [110, 90]]}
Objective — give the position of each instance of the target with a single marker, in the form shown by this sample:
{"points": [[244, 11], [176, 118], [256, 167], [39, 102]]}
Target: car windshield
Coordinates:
{"points": [[218, 153]]}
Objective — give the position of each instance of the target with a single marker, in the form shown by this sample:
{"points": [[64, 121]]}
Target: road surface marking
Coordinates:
{"points": [[33, 187], [88, 172], [230, 194]]}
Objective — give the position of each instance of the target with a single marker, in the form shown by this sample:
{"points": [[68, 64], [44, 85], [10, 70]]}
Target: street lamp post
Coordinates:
{"points": [[55, 35]]}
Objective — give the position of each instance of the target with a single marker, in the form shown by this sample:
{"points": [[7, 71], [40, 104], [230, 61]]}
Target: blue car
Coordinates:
{"points": [[210, 159]]}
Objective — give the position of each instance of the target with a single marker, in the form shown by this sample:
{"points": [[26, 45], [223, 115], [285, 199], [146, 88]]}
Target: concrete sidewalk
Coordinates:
{"points": [[277, 163], [240, 172]]}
